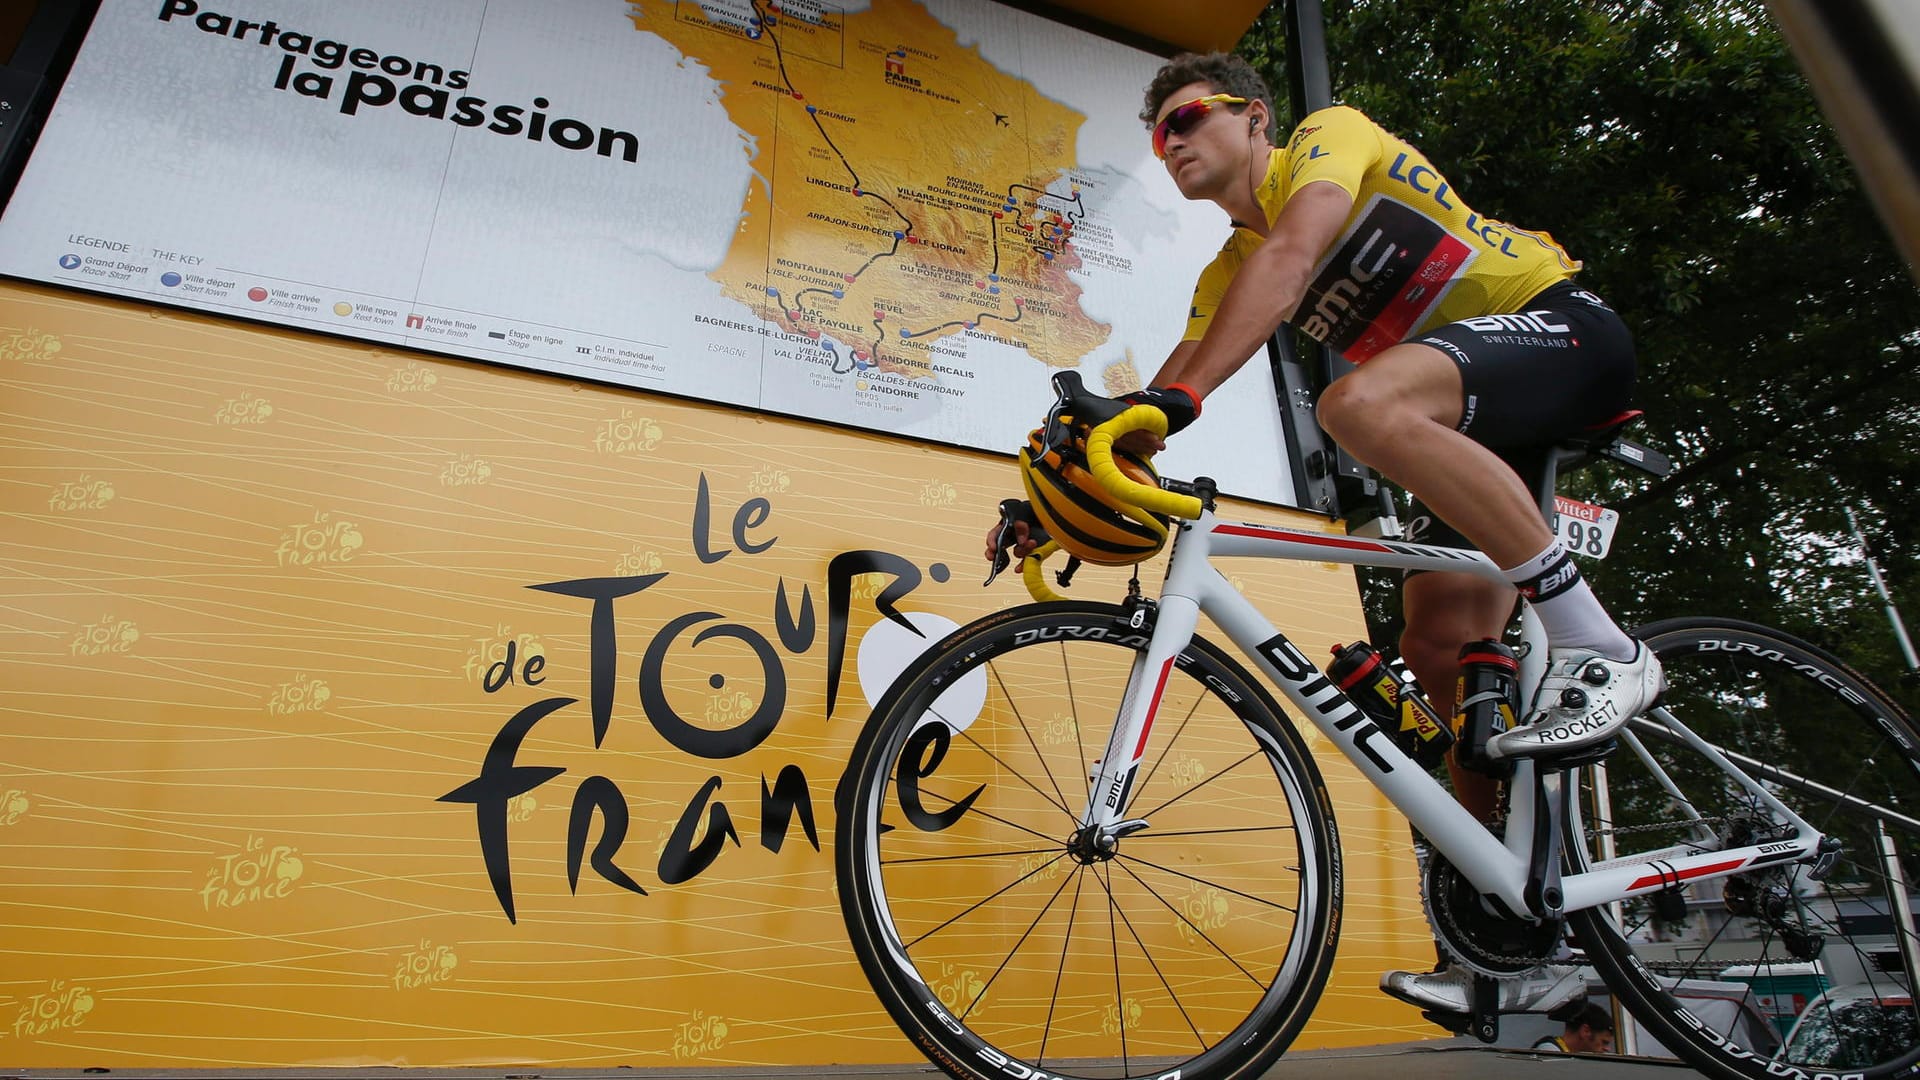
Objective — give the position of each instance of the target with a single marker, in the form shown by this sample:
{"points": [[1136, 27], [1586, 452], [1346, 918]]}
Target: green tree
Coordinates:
{"points": [[1675, 148]]}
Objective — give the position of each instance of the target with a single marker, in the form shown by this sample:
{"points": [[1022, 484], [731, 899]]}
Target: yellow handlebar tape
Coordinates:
{"points": [[1125, 490]]}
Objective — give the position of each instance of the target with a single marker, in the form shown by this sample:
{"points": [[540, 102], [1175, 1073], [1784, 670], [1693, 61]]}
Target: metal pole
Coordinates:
{"points": [[1897, 895], [1626, 1032], [1880, 586]]}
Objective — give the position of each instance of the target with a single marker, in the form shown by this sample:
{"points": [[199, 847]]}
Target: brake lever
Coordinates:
{"points": [[1004, 540]]}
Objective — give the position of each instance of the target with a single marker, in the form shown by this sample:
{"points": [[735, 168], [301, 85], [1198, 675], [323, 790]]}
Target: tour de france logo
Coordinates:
{"points": [[1202, 909], [110, 635], [303, 694], [938, 493], [413, 378], [59, 1008], [320, 542], [29, 345], [258, 873], [698, 1035], [639, 561], [86, 493], [14, 805], [245, 409], [628, 434], [425, 964], [466, 471]]}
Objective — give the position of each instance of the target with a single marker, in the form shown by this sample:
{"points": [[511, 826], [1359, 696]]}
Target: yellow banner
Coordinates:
{"points": [[365, 708]]}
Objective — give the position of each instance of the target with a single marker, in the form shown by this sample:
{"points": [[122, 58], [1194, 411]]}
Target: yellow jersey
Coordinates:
{"points": [[1411, 256]]}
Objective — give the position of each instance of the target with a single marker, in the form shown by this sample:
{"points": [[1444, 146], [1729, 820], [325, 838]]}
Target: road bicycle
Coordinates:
{"points": [[1077, 839]]}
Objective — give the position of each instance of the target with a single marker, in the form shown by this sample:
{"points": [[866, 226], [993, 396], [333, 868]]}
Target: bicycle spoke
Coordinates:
{"points": [[1204, 881], [1028, 732], [974, 915], [990, 816], [982, 902], [1209, 780], [1135, 935], [1007, 959], [1167, 750], [1201, 934]]}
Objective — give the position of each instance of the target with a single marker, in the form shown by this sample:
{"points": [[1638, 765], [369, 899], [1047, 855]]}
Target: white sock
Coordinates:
{"points": [[1568, 610]]}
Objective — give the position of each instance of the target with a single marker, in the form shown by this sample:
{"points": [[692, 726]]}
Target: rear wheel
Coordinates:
{"points": [[1002, 948], [1720, 972]]}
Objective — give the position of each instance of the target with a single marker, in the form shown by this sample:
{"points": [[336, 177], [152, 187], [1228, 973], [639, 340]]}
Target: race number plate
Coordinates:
{"points": [[1586, 529]]}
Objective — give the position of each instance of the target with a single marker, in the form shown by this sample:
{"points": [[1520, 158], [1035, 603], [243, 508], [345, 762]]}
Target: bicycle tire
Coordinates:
{"points": [[1264, 900], [1795, 713]]}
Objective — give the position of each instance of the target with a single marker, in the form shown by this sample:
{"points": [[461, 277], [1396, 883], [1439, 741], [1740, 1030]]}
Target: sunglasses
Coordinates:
{"points": [[1187, 116]]}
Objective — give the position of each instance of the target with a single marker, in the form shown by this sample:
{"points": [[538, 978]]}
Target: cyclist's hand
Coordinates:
{"points": [[1140, 443], [1181, 405], [1014, 537], [1021, 535]]}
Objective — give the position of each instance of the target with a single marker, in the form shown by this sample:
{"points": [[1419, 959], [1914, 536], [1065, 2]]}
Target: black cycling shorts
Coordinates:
{"points": [[1561, 364]]}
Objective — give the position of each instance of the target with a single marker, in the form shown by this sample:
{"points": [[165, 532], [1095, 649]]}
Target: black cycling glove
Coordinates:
{"points": [[1181, 404]]}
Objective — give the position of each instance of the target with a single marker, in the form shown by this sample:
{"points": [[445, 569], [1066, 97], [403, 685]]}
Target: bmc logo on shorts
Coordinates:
{"points": [[1531, 322]]}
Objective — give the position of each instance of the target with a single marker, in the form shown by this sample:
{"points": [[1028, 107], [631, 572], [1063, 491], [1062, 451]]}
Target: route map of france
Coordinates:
{"points": [[919, 193]]}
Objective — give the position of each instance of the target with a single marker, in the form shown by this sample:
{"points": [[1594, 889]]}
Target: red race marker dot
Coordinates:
{"points": [[849, 278], [879, 315], [815, 334]]}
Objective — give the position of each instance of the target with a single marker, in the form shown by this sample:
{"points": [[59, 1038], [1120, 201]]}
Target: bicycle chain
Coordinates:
{"points": [[1453, 932]]}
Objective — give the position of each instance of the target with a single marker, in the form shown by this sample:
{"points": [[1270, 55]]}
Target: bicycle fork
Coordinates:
{"points": [[1168, 626]]}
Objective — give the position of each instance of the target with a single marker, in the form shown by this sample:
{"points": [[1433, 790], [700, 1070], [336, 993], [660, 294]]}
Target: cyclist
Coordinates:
{"points": [[1589, 1031], [1476, 352]]}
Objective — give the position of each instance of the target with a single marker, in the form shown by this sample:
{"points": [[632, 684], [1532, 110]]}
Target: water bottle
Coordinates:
{"points": [[1395, 704], [1485, 702]]}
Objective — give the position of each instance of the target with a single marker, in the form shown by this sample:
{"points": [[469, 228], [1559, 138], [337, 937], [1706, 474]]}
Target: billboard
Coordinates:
{"points": [[280, 607], [899, 215]]}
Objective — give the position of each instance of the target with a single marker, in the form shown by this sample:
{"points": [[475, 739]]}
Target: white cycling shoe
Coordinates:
{"points": [[1584, 699], [1450, 989]]}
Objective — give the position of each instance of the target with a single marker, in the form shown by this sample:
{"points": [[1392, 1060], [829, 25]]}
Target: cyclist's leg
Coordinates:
{"points": [[1399, 413], [1443, 613], [1522, 380]]}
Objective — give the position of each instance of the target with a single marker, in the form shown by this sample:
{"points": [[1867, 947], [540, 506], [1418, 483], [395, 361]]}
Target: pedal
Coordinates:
{"points": [[1457, 1023]]}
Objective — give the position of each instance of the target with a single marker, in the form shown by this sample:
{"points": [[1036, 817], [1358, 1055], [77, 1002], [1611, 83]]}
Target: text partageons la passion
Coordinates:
{"points": [[374, 81]]}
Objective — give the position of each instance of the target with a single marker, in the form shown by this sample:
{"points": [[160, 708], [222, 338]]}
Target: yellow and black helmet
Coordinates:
{"points": [[1081, 516]]}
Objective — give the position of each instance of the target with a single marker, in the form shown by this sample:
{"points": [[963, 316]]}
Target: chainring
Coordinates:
{"points": [[1473, 936]]}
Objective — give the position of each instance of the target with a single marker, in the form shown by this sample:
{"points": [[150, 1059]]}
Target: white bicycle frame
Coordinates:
{"points": [[1497, 867]]}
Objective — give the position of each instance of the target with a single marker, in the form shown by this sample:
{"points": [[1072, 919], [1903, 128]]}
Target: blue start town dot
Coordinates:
{"points": [[69, 262], [903, 332], [771, 291], [169, 279], [839, 294]]}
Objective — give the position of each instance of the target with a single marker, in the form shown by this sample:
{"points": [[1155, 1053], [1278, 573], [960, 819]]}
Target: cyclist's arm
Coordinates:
{"points": [[1265, 291]]}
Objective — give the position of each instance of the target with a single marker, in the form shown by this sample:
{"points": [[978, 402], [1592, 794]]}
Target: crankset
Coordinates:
{"points": [[1472, 931]]}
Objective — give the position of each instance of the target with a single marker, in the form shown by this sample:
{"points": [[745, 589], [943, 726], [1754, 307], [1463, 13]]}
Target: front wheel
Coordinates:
{"points": [[1195, 948], [1771, 973]]}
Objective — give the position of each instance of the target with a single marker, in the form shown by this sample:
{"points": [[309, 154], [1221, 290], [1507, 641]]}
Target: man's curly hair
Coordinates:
{"points": [[1224, 72]]}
